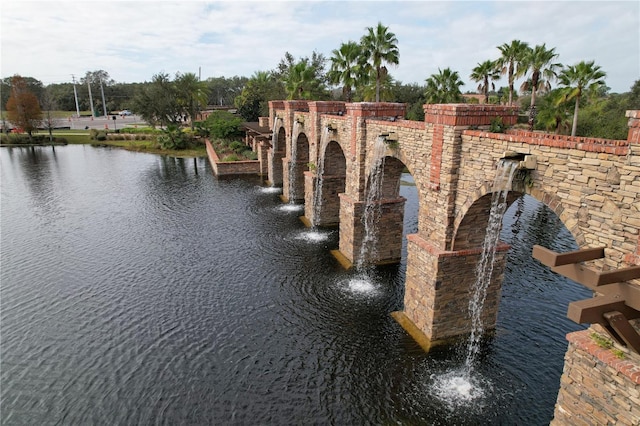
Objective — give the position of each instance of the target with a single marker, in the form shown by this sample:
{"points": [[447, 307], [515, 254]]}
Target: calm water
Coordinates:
{"points": [[138, 289]]}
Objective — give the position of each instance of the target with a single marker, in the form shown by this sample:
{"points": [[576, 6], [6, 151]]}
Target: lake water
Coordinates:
{"points": [[139, 289]]}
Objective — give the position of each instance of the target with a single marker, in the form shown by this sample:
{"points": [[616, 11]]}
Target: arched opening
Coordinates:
{"points": [[299, 164], [331, 180], [529, 342], [277, 153], [383, 214]]}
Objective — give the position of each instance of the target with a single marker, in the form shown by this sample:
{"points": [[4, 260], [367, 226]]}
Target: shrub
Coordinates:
{"points": [[497, 126], [223, 124], [101, 136], [250, 155], [231, 157], [237, 146]]}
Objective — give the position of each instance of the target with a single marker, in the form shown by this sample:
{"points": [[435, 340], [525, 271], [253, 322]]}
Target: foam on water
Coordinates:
{"points": [[313, 236], [271, 190], [361, 286], [459, 388], [290, 207]]}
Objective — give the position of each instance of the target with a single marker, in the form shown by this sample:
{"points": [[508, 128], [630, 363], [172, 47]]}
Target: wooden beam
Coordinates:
{"points": [[591, 311], [619, 323], [551, 258]]}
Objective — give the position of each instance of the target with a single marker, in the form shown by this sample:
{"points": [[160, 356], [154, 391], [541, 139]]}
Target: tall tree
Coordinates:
{"points": [[98, 80], [307, 71], [485, 72], [538, 60], [300, 82], [554, 114], [23, 109], [192, 94], [444, 87], [380, 46], [345, 68], [510, 60], [253, 100], [577, 78], [157, 102]]}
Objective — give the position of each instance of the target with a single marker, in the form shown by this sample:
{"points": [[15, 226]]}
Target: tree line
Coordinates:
{"points": [[357, 71]]}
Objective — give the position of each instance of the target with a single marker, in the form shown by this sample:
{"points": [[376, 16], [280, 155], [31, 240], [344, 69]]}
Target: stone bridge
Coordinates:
{"points": [[592, 185]]}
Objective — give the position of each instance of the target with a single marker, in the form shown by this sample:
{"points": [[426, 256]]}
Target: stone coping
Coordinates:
{"points": [[625, 366]]}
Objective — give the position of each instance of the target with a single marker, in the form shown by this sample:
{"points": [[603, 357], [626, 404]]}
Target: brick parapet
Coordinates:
{"points": [[377, 109], [469, 115], [609, 146]]}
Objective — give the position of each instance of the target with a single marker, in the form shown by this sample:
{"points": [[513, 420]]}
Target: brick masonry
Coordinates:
{"points": [[598, 386], [593, 185]]}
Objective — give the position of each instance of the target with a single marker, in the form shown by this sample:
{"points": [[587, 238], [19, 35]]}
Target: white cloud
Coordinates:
{"points": [[135, 40]]}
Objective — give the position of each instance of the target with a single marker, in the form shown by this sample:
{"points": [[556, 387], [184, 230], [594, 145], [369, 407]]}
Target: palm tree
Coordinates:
{"points": [[444, 87], [379, 45], [554, 115], [192, 94], [345, 67], [300, 81], [484, 72], [577, 78], [539, 61], [510, 60]]}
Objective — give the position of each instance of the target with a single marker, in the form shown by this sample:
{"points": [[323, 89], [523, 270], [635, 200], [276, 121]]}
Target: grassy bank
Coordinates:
{"points": [[150, 146]]}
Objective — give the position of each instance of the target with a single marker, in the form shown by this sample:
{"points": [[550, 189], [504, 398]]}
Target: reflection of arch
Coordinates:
{"points": [[470, 224]]}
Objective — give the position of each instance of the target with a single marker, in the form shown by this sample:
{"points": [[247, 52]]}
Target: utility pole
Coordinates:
{"points": [[75, 95], [104, 104], [93, 113]]}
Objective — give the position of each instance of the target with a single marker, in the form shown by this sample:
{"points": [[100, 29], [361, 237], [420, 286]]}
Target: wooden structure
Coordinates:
{"points": [[619, 301]]}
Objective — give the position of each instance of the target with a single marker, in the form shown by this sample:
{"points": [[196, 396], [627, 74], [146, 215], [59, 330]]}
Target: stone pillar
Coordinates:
{"points": [[294, 112], [439, 278], [319, 112], [600, 385], [277, 150], [352, 200]]}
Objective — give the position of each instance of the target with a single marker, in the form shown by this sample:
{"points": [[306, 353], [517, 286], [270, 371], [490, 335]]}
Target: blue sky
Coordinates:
{"points": [[133, 40]]}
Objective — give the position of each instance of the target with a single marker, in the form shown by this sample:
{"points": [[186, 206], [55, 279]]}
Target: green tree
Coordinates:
{"points": [[157, 102], [444, 87], [553, 115], [413, 96], [380, 46], [192, 94], [346, 68], [261, 88], [539, 61], [301, 82], [97, 80], [311, 75], [23, 109], [223, 91], [577, 78], [485, 72], [510, 60]]}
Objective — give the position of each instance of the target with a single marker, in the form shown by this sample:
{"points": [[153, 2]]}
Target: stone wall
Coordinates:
{"points": [[598, 386], [227, 168]]}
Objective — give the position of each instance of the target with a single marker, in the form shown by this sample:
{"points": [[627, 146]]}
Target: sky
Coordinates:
{"points": [[134, 40]]}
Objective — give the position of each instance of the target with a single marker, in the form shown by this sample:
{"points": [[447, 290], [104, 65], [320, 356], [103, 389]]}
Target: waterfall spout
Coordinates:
{"points": [[484, 269]]}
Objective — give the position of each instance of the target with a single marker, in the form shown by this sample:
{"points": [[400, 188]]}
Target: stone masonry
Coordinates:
{"points": [[593, 185]]}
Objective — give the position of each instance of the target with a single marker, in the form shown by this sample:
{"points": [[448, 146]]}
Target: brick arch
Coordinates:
{"points": [[468, 234], [276, 154], [335, 162]]}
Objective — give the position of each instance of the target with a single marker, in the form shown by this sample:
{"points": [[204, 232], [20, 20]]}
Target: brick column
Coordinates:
{"points": [[352, 201], [439, 279]]}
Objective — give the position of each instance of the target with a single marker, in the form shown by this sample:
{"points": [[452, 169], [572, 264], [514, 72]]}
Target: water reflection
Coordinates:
{"points": [[155, 294]]}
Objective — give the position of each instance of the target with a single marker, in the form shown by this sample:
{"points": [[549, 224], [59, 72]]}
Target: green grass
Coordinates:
{"points": [[79, 137]]}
